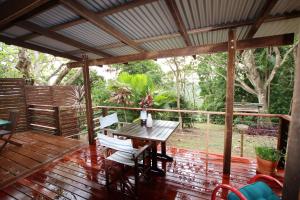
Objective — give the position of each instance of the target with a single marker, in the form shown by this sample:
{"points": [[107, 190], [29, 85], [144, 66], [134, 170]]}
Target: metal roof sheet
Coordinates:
{"points": [[152, 19], [89, 33], [120, 51], [280, 27], [170, 43], [15, 31], [99, 5], [204, 13], [285, 6], [54, 16], [51, 43]]}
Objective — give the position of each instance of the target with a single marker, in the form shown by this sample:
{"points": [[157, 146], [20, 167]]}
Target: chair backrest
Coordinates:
{"points": [[108, 120], [13, 118], [115, 143]]}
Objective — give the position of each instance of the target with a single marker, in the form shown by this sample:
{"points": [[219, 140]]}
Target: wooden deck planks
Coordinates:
{"points": [[80, 175], [38, 150]]}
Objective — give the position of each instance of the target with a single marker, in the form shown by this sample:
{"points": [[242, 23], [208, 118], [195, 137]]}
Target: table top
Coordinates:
{"points": [[4, 122], [160, 131]]}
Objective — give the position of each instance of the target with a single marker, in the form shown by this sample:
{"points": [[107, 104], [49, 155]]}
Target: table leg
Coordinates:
{"points": [[154, 168], [163, 155]]}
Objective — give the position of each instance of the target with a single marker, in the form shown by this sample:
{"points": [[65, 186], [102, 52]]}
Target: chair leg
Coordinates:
{"points": [[106, 175], [136, 178]]}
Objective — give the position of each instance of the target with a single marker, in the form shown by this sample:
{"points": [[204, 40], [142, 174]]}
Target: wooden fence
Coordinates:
{"points": [[12, 96]]}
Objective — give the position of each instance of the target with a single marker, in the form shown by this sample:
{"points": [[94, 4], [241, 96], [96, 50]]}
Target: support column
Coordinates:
{"points": [[88, 99], [229, 101], [291, 187]]}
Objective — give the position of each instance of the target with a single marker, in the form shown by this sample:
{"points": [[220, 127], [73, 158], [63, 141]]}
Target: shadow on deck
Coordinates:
{"points": [[37, 150], [80, 175]]}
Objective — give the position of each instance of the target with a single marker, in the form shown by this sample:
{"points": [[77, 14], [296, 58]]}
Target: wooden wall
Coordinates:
{"points": [[12, 97], [50, 95]]}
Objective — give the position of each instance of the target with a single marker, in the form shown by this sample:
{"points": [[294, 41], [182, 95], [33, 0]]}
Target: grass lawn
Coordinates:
{"points": [[195, 139]]}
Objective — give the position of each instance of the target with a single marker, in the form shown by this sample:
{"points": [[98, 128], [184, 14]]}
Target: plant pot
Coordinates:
{"points": [[266, 166]]}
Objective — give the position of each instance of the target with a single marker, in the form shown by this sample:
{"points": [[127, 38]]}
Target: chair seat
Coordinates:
{"points": [[123, 157], [255, 191], [4, 132]]}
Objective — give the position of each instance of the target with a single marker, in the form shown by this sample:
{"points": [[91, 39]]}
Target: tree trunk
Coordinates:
{"points": [[24, 64], [262, 99]]}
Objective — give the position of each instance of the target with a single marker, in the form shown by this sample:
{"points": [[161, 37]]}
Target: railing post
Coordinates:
{"points": [[105, 113], [57, 120], [282, 139], [29, 117]]}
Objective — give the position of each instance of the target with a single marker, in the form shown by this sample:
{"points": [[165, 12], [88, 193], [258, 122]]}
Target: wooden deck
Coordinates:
{"points": [[80, 175], [38, 149]]}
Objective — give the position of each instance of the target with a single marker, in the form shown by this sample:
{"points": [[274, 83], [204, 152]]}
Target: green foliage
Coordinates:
{"points": [[268, 153], [146, 67]]}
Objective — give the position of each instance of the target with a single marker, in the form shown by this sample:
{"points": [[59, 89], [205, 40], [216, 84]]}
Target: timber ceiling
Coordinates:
{"points": [[110, 28]]}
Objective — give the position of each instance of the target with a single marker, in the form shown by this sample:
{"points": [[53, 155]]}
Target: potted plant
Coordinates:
{"points": [[267, 159], [145, 103]]}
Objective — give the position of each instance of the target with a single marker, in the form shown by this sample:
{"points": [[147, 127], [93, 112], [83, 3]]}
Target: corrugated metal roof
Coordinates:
{"points": [[99, 5], [204, 13], [15, 31], [280, 27], [57, 15], [217, 36], [50, 43], [285, 6], [152, 19], [120, 51], [171, 43], [89, 34]]}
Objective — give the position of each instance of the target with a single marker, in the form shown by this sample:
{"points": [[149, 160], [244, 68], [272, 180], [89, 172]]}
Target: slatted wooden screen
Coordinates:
{"points": [[50, 95], [12, 97], [72, 120]]}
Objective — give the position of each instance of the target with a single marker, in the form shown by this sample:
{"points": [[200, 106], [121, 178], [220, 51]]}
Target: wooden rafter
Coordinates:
{"points": [[14, 10], [51, 34], [269, 5], [198, 30], [261, 42], [100, 14], [178, 20], [11, 41], [100, 23]]}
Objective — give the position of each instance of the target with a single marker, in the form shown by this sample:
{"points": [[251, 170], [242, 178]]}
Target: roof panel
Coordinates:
{"points": [[217, 36], [15, 31], [171, 43], [204, 13], [51, 43], [285, 6], [152, 19], [120, 51], [89, 34], [99, 5], [280, 27], [54, 16]]}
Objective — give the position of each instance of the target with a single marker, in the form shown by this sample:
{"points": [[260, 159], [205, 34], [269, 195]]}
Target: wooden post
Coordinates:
{"points": [[291, 187], [57, 120], [105, 113], [282, 139], [88, 99], [229, 101]]}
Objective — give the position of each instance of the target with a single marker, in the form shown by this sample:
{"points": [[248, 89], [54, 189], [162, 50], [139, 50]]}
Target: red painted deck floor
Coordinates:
{"points": [[80, 175]]}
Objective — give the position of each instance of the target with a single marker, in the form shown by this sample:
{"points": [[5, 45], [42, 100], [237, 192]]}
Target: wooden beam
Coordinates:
{"points": [[268, 6], [101, 14], [100, 23], [14, 9], [178, 20], [88, 99], [229, 101], [291, 187], [12, 41], [278, 40], [51, 34]]}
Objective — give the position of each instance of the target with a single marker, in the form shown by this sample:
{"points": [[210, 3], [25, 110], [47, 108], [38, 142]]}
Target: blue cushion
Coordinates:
{"points": [[255, 191]]}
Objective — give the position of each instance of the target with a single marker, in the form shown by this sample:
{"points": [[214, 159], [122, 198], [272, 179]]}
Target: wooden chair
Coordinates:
{"points": [[13, 118], [122, 152], [256, 189]]}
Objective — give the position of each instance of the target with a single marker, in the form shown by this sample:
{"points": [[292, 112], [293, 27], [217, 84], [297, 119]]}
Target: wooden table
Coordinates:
{"points": [[159, 133]]}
